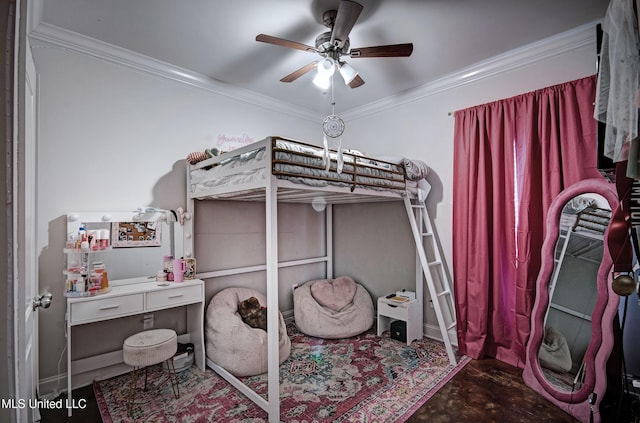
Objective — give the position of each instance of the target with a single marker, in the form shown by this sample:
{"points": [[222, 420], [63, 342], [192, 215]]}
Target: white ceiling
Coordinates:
{"points": [[216, 38]]}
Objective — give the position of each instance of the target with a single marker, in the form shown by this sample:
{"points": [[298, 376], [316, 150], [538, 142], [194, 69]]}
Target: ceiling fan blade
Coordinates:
{"points": [[357, 81], [392, 50], [348, 13], [298, 73], [284, 43]]}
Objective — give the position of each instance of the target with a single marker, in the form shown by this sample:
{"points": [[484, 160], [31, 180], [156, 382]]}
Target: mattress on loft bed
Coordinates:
{"points": [[302, 163]]}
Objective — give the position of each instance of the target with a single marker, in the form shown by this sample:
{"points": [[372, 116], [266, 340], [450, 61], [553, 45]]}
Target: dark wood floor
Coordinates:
{"points": [[483, 391], [488, 391]]}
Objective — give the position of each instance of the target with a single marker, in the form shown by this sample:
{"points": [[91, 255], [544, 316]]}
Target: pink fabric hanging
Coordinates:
{"points": [[511, 158]]}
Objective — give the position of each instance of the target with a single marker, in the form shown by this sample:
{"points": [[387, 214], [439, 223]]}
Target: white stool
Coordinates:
{"points": [[145, 349]]}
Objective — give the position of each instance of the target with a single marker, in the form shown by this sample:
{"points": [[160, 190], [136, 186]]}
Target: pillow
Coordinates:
{"points": [[415, 169], [196, 157], [334, 294]]}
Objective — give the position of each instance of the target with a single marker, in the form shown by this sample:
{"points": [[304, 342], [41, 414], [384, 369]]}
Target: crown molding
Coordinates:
{"points": [[51, 35], [562, 43], [582, 36], [34, 14]]}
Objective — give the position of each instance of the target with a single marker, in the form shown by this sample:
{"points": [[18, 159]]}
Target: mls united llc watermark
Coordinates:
{"points": [[43, 403]]}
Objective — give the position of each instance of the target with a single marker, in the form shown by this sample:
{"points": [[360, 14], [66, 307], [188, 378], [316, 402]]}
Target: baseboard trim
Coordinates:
{"points": [[51, 387], [433, 332]]}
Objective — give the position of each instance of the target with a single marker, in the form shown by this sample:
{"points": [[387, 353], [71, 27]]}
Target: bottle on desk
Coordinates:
{"points": [[101, 273], [179, 266]]}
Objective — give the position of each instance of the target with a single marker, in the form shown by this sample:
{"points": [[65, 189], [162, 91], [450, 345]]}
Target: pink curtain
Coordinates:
{"points": [[511, 158]]}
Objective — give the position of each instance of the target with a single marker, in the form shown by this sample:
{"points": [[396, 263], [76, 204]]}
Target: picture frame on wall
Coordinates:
{"points": [[136, 234]]}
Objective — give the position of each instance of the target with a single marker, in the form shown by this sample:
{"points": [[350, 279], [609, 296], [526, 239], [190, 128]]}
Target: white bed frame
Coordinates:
{"points": [[272, 190]]}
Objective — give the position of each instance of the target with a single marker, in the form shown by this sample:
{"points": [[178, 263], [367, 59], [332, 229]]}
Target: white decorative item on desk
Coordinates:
{"points": [[80, 280]]}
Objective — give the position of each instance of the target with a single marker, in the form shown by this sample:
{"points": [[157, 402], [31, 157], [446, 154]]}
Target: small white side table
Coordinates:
{"points": [[409, 312]]}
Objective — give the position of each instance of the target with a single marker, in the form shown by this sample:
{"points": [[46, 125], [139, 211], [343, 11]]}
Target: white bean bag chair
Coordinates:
{"points": [[554, 352], [332, 308], [234, 345]]}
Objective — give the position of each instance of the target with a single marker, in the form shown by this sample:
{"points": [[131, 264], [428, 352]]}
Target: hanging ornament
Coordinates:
{"points": [[332, 127], [326, 161]]}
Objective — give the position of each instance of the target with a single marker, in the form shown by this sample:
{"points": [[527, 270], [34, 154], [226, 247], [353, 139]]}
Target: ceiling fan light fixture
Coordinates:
{"points": [[326, 66], [348, 73], [333, 44], [322, 81]]}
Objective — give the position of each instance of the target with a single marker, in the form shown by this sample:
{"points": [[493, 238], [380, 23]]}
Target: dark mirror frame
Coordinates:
{"points": [[581, 403]]}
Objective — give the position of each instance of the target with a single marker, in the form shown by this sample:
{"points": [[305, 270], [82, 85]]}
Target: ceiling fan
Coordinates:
{"points": [[333, 45]]}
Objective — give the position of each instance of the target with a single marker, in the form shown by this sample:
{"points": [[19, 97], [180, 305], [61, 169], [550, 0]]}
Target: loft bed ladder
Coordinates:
{"points": [[430, 269], [564, 236]]}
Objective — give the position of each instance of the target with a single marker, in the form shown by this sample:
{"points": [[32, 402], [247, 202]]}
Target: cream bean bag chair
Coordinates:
{"points": [[234, 345], [332, 308], [554, 352]]}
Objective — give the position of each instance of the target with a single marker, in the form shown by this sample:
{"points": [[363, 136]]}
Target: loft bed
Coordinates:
{"points": [[302, 171], [277, 169]]}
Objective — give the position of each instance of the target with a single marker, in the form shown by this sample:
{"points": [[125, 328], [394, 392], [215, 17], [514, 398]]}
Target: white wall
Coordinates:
{"points": [[234, 235], [113, 138]]}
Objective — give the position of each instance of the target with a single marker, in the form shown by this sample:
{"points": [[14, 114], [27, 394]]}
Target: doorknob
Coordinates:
{"points": [[43, 301]]}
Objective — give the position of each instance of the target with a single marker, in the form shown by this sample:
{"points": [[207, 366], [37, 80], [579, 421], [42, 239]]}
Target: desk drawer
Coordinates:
{"points": [[107, 308], [174, 296], [396, 312]]}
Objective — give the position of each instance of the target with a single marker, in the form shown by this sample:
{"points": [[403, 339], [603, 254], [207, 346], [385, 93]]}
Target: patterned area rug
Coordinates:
{"points": [[361, 379]]}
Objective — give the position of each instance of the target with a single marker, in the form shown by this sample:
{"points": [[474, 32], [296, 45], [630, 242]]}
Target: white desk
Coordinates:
{"points": [[136, 296]]}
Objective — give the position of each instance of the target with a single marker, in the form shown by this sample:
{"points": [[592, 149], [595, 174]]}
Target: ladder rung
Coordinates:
{"points": [[426, 234], [451, 326], [418, 206], [435, 263], [443, 293]]}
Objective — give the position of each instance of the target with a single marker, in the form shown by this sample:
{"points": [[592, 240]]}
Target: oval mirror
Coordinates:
{"points": [[571, 336], [573, 291]]}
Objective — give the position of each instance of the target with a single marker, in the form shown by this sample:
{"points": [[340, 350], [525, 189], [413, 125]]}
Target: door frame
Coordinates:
{"points": [[19, 253], [7, 386]]}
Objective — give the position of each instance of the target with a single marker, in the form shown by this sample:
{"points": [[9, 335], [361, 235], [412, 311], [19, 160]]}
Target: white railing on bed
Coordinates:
{"points": [[248, 179]]}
